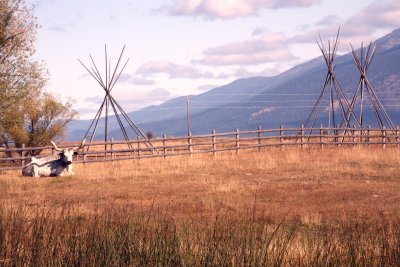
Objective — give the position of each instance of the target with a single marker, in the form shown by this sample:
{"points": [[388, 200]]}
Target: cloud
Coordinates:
{"points": [[328, 20], [94, 99], [268, 48], [267, 72], [60, 28], [133, 100], [86, 111], [172, 70], [206, 87], [84, 76], [259, 31], [382, 14], [129, 100], [134, 80], [229, 9]]}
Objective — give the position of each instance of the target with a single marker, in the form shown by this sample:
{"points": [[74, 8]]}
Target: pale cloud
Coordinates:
{"points": [[328, 20], [86, 111], [132, 100], [259, 31], [94, 99], [268, 48], [60, 28], [172, 70], [382, 14], [229, 9], [135, 80], [206, 87], [267, 72], [129, 99]]}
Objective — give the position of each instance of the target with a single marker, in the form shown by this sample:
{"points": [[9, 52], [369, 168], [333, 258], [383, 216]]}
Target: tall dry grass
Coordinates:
{"points": [[275, 207]]}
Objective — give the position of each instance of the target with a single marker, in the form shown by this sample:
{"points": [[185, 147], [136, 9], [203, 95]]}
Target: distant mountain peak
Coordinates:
{"points": [[388, 41]]}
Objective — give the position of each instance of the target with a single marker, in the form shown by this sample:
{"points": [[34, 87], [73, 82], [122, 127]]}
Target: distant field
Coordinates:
{"points": [[278, 206]]}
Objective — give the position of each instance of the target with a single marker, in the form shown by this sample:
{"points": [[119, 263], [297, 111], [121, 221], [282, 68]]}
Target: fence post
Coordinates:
{"points": [[383, 136], [353, 132], [397, 135], [214, 145], [302, 136], [84, 150], [281, 135], [138, 146], [321, 137], [369, 135], [112, 150], [190, 143], [164, 142], [23, 153], [237, 141], [259, 138], [337, 135]]}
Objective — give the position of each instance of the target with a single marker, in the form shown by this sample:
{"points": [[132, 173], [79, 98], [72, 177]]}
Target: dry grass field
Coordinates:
{"points": [[274, 207]]}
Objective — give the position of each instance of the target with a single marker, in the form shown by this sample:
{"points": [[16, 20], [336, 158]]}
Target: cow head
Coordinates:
{"points": [[66, 154]]}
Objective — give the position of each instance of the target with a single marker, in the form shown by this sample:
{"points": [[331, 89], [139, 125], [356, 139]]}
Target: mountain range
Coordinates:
{"points": [[285, 99]]}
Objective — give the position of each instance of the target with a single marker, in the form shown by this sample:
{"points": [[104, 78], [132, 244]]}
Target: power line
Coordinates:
{"points": [[247, 107], [273, 101]]}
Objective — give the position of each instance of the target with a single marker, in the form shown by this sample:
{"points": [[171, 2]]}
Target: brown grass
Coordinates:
{"points": [[278, 206]]}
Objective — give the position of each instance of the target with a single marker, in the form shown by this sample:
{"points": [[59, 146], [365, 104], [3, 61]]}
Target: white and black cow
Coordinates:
{"points": [[55, 165]]}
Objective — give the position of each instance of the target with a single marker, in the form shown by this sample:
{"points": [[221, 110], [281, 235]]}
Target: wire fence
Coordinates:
{"points": [[214, 143]]}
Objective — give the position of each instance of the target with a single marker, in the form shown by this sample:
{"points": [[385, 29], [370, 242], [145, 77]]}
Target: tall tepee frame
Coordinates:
{"points": [[107, 83], [332, 87], [365, 91]]}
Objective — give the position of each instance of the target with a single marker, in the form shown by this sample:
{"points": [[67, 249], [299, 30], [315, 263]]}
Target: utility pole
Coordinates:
{"points": [[188, 115]]}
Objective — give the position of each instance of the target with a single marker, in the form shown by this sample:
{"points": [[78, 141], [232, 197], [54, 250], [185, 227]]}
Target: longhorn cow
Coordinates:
{"points": [[55, 165]]}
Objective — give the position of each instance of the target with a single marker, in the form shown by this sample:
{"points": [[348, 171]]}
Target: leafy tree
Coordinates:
{"points": [[27, 115], [20, 75], [38, 120]]}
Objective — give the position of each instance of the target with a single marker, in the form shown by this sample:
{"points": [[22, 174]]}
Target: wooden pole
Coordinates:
{"points": [[164, 145], [281, 134], [190, 143], [259, 137], [237, 141], [337, 135], [384, 136], [112, 149], [106, 127], [23, 153], [138, 146], [321, 136], [188, 115], [369, 135], [397, 136], [214, 145], [302, 136]]}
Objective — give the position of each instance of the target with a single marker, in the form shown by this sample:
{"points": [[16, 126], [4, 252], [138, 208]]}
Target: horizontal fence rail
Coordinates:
{"points": [[16, 158]]}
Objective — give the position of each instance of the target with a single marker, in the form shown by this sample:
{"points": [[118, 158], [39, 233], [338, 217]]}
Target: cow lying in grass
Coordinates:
{"points": [[55, 165]]}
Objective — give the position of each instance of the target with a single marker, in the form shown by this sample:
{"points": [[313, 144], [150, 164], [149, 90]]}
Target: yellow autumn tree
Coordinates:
{"points": [[27, 114]]}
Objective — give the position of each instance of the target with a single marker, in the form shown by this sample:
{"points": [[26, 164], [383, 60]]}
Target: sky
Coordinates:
{"points": [[186, 47]]}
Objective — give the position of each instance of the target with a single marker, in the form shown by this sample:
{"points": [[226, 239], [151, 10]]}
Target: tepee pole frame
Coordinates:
{"points": [[363, 63], [109, 103], [335, 91]]}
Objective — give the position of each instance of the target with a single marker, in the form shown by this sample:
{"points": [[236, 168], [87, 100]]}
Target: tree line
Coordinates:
{"points": [[28, 113]]}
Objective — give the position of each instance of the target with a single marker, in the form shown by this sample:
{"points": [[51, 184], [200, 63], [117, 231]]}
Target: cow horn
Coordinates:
{"points": [[81, 145], [55, 147]]}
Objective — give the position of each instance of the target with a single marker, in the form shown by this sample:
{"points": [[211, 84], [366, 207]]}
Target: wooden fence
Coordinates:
{"points": [[16, 158]]}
